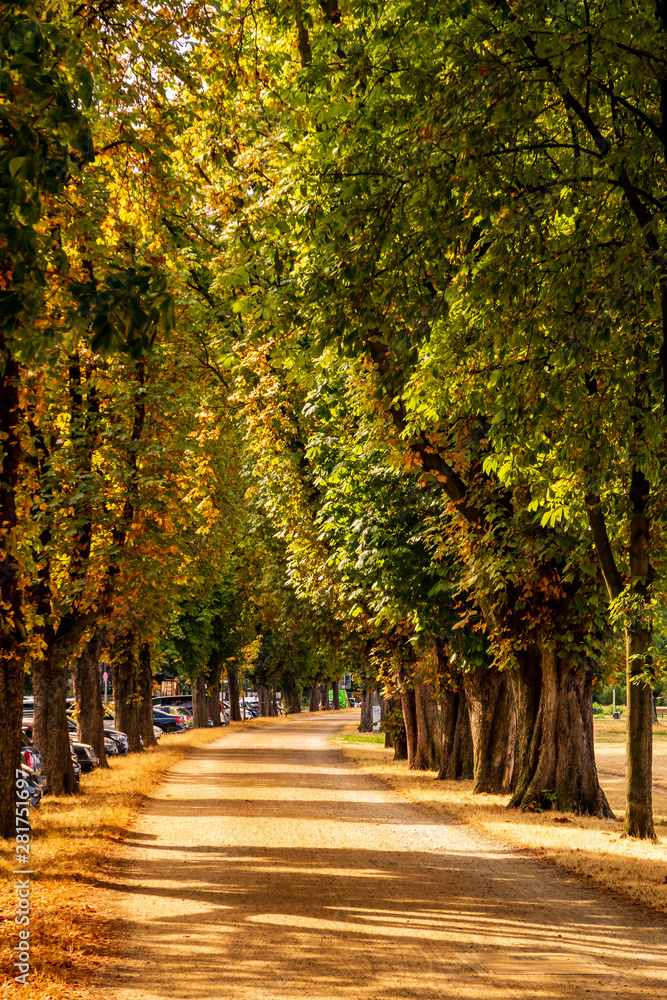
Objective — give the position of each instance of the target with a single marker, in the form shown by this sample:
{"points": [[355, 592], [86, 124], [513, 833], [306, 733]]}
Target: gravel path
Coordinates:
{"points": [[266, 867]]}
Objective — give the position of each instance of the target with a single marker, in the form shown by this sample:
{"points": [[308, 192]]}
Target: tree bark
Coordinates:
{"points": [[325, 696], [213, 697], [314, 697], [555, 758], [199, 702], [366, 723], [493, 728], [12, 680], [526, 684], [264, 696], [126, 693], [234, 694], [88, 694], [12, 630], [291, 697], [457, 750], [336, 697], [50, 731], [428, 753], [410, 720], [639, 738], [146, 730], [639, 734], [274, 701]]}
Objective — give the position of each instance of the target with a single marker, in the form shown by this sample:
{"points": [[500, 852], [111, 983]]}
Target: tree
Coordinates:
{"points": [[375, 261], [44, 139]]}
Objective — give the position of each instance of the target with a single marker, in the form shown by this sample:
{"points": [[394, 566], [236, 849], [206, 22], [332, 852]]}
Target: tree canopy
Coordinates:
{"points": [[340, 332]]}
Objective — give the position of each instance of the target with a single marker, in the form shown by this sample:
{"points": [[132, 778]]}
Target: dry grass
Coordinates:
{"points": [[592, 848], [71, 838]]}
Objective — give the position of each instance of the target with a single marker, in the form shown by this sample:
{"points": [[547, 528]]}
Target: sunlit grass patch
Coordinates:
{"points": [[588, 847], [71, 838], [360, 738]]}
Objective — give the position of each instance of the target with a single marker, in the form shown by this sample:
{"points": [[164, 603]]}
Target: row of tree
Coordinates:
{"points": [[340, 331], [448, 266]]}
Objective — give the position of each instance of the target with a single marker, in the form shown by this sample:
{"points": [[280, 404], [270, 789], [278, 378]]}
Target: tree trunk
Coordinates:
{"points": [[410, 720], [88, 694], [126, 693], [291, 697], [50, 732], [325, 696], [199, 702], [457, 750], [213, 697], [234, 694], [314, 697], [639, 738], [264, 696], [493, 727], [389, 740], [526, 684], [146, 730], [427, 749], [12, 680], [12, 630], [555, 758], [336, 697], [274, 702], [366, 723]]}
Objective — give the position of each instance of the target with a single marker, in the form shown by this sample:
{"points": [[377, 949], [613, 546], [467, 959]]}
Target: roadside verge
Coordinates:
{"points": [[72, 837], [590, 848]]}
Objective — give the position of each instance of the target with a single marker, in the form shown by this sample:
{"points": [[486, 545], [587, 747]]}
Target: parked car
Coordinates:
{"points": [[32, 759], [157, 732], [183, 701], [26, 739], [33, 788], [77, 767], [120, 739], [168, 722], [114, 742], [185, 717], [86, 756]]}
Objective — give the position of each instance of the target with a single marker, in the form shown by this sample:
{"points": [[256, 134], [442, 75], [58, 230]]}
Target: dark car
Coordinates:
{"points": [[120, 739], [32, 759], [26, 745], [168, 722], [77, 767], [31, 786], [86, 756], [114, 742]]}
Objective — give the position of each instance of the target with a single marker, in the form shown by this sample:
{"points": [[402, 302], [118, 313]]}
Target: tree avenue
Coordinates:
{"points": [[335, 341]]}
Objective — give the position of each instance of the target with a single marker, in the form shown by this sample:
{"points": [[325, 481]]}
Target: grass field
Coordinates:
{"points": [[595, 849]]}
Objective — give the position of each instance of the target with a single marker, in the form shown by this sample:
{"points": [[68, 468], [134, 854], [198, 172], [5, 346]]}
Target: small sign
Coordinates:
{"points": [[105, 676]]}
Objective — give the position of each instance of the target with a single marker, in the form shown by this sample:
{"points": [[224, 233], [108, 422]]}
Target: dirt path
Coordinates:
{"points": [[267, 868]]}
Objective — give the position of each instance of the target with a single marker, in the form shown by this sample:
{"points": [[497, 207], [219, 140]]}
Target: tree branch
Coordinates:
{"points": [[596, 519]]}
